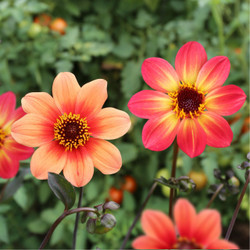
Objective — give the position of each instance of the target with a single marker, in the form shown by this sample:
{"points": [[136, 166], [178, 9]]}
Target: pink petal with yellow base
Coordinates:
{"points": [[159, 74], [50, 157], [218, 131], [225, 100], [106, 157], [149, 103], [222, 244], [91, 98], [7, 107], [146, 242], [79, 168], [109, 124], [41, 103], [65, 89], [159, 132], [191, 137], [33, 130], [189, 60], [213, 74]]}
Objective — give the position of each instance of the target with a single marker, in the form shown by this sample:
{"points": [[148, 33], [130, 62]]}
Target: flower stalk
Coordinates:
{"points": [[215, 195]]}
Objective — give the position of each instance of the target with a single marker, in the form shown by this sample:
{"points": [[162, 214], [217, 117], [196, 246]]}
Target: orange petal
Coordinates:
{"points": [[33, 130], [79, 168], [219, 133], [213, 73], [146, 242], [91, 98], [207, 227], [159, 132], [159, 74], [191, 137], [7, 107], [105, 156], [185, 217], [158, 225], [8, 165], [189, 60], [50, 157], [109, 123], [222, 244], [41, 103], [65, 89]]}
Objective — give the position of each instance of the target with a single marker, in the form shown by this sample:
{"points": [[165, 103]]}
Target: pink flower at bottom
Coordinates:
{"points": [[194, 231]]}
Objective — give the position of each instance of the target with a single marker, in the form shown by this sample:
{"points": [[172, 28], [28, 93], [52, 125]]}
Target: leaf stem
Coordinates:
{"points": [[215, 194]]}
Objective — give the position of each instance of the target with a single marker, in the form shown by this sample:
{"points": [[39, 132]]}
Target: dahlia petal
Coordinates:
{"points": [[65, 89], [159, 132], [79, 168], [109, 123], [213, 73], [33, 130], [50, 157], [185, 217], [225, 100], [217, 129], [7, 107], [222, 244], [189, 60], [207, 227], [105, 156], [159, 226], [41, 103], [159, 74], [146, 242], [149, 103], [191, 137], [91, 98], [8, 165]]}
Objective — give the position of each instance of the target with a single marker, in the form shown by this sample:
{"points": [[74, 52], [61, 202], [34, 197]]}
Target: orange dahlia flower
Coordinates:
{"points": [[11, 152], [188, 102], [70, 130], [191, 230]]}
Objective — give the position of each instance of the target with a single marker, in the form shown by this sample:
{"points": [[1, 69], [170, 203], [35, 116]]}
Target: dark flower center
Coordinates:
{"points": [[184, 243]]}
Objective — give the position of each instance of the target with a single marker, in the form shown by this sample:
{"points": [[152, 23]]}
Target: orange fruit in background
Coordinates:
{"points": [[129, 184], [42, 19], [199, 178], [59, 25], [246, 125], [116, 195]]}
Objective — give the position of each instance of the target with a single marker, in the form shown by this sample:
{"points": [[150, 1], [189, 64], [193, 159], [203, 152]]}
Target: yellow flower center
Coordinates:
{"points": [[71, 131], [2, 137], [187, 101], [184, 243]]}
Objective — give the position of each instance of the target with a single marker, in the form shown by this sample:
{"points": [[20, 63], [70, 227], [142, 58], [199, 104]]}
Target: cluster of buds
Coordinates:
{"points": [[245, 166]]}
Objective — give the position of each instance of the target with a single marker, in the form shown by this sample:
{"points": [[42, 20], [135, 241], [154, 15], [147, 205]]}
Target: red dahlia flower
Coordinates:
{"points": [[194, 231], [70, 130], [187, 102], [11, 152]]}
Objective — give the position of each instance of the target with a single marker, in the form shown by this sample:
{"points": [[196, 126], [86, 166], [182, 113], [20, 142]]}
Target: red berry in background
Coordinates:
{"points": [[59, 25], [43, 20], [116, 195], [129, 184]]}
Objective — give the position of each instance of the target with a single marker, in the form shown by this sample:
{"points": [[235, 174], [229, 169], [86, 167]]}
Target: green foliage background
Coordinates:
{"points": [[110, 40]]}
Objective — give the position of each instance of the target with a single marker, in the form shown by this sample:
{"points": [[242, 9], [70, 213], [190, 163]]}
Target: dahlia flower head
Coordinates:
{"points": [[70, 130], [188, 101], [191, 230]]}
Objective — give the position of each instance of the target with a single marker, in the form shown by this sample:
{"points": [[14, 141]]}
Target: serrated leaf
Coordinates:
{"points": [[62, 189]]}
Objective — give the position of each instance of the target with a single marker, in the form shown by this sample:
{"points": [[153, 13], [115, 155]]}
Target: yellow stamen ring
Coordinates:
{"points": [[2, 137]]}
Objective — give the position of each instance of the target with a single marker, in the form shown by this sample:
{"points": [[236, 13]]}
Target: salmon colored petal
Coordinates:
{"points": [[146, 242], [41, 103], [91, 98], [8, 165], [222, 244], [65, 89], [189, 60], [185, 217], [50, 157], [7, 107], [159, 132], [207, 227], [213, 73], [191, 137], [157, 225], [148, 104], [105, 156], [109, 124], [219, 133], [225, 100], [159, 74], [33, 130], [79, 169]]}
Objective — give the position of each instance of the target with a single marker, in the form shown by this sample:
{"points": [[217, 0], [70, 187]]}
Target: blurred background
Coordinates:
{"points": [[110, 39]]}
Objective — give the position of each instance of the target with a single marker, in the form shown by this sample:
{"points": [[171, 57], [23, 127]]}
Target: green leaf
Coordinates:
{"points": [[208, 165], [128, 151], [38, 226], [4, 237], [62, 189], [128, 201]]}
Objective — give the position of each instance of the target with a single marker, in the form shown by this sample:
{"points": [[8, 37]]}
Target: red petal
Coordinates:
{"points": [[222, 244], [7, 107], [8, 166], [146, 242]]}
